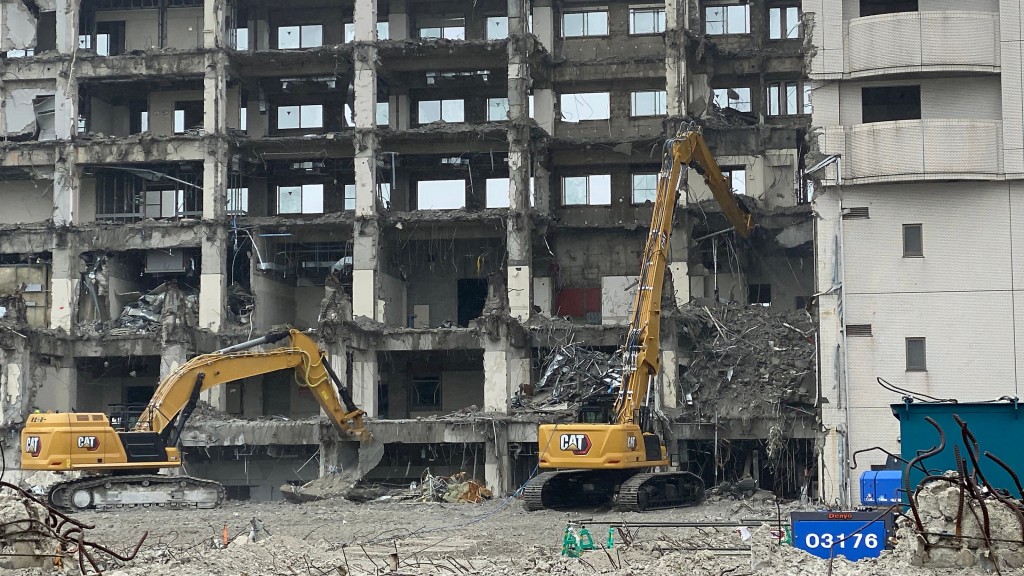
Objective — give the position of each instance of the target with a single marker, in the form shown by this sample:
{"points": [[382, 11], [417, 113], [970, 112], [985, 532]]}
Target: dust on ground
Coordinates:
{"points": [[497, 537]]}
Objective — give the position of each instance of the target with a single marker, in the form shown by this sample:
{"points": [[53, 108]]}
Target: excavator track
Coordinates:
{"points": [[143, 490], [657, 490], [636, 492]]}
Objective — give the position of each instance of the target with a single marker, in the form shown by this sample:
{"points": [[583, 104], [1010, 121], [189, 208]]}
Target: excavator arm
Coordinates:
{"points": [[177, 395], [687, 149]]}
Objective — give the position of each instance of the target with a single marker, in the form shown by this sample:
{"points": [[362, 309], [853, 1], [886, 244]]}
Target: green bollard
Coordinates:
{"points": [[611, 539]]}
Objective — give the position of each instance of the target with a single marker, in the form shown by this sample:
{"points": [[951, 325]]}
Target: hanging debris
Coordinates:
{"points": [[571, 375]]}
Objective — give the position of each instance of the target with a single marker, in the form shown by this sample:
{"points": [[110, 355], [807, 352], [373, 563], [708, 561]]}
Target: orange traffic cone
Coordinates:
{"points": [[225, 535]]}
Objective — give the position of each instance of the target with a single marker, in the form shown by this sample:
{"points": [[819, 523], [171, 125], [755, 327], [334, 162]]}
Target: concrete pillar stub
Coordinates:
{"points": [[67, 25], [364, 381], [64, 274], [398, 20], [213, 24], [213, 280]]}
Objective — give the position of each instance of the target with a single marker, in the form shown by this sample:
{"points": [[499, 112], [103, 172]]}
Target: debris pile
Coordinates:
{"points": [[166, 306], [571, 375], [240, 304], [329, 486], [455, 488], [746, 360], [35, 535]]}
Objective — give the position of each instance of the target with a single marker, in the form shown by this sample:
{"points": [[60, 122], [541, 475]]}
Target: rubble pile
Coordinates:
{"points": [[23, 541], [571, 375], [454, 488], [746, 360], [167, 306]]}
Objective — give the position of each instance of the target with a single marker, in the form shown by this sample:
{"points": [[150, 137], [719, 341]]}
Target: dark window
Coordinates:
{"points": [[426, 392], [872, 7], [110, 38], [915, 355], [913, 241], [891, 103], [759, 294], [46, 32], [471, 296]]}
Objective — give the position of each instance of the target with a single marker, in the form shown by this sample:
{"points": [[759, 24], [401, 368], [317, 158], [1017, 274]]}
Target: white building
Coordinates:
{"points": [[919, 223]]}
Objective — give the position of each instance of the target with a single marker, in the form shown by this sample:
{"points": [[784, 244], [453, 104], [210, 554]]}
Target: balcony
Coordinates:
{"points": [[938, 41], [916, 150]]}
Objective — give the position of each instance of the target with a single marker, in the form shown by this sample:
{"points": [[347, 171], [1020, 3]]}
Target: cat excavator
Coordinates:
{"points": [[120, 466], [615, 455]]}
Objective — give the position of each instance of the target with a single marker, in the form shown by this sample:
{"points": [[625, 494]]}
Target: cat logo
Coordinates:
{"points": [[578, 444], [33, 446], [631, 442], [90, 443]]}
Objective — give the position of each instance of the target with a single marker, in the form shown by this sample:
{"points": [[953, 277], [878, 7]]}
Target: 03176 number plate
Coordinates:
{"points": [[854, 535]]}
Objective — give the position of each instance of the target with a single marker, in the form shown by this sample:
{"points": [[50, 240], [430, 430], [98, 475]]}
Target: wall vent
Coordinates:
{"points": [[858, 330], [856, 213]]}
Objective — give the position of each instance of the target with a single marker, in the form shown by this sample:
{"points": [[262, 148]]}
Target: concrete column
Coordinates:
{"points": [[15, 382], [67, 182], [519, 277], [261, 30], [398, 20], [213, 24], [172, 355], [64, 278], [668, 375], [67, 25], [213, 280], [506, 367], [401, 112], [544, 108], [543, 24], [676, 22], [497, 462], [364, 381], [66, 177]]}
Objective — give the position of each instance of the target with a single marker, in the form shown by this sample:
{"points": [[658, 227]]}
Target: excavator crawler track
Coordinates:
{"points": [[144, 490], [656, 490]]}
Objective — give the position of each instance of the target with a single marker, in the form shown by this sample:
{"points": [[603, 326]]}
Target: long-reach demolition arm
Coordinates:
{"points": [[687, 149], [178, 394]]}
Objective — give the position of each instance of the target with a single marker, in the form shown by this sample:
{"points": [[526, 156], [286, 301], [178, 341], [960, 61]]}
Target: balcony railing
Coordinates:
{"points": [[909, 150], [932, 41]]}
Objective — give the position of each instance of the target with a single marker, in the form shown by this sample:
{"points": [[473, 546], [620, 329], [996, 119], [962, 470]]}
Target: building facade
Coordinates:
{"points": [[918, 219], [445, 191]]}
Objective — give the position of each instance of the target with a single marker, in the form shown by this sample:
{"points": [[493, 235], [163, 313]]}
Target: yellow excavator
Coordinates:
{"points": [[121, 466], [615, 456]]}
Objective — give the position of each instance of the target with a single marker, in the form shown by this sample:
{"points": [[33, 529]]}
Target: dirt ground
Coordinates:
{"points": [[338, 537]]}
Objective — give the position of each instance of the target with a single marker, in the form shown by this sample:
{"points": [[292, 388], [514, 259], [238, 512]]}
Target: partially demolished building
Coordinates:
{"points": [[446, 192]]}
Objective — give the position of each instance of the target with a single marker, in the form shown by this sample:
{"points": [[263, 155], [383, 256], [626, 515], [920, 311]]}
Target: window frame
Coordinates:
{"points": [[777, 104], [302, 198], [494, 103], [589, 194], [419, 198], [586, 24], [725, 19], [443, 26], [660, 103], [785, 26], [416, 395], [303, 30], [923, 366], [562, 108], [507, 182], [633, 188], [659, 19], [299, 110], [487, 27], [440, 114], [919, 253], [730, 173]]}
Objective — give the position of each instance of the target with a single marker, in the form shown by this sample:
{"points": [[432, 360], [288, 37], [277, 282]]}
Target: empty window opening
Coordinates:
{"points": [[426, 392], [472, 294], [497, 109], [447, 28], [646, 20], [46, 32], [913, 241], [382, 114], [440, 194], [735, 98], [172, 203], [891, 103], [594, 190], [808, 108], [737, 178], [585, 106], [497, 193], [788, 99], [441, 110], [304, 116], [187, 116], [139, 120], [784, 23], [579, 24], [158, 192], [303, 199], [243, 118], [647, 103], [916, 355], [645, 188], [497, 27], [350, 197], [872, 7], [109, 39], [43, 107], [727, 19], [759, 294], [293, 37], [383, 31]]}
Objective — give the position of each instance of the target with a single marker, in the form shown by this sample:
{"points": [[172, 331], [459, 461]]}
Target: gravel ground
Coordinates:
{"points": [[338, 537]]}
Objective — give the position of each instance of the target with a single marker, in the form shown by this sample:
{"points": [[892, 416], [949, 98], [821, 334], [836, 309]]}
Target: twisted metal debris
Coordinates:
{"points": [[60, 533], [572, 374]]}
